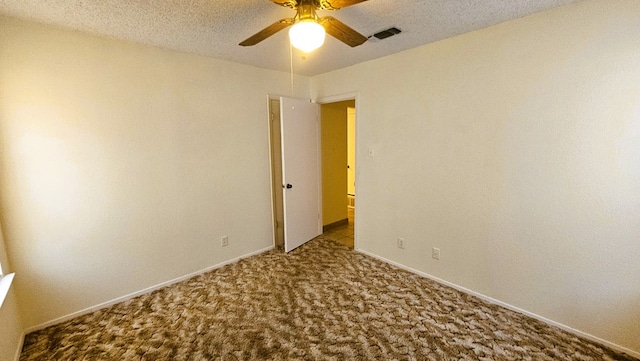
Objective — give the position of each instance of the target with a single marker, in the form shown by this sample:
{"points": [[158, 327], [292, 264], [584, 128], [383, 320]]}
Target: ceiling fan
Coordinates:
{"points": [[306, 19]]}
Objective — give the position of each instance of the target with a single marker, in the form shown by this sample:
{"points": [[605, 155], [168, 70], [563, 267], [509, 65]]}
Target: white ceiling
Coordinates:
{"points": [[215, 27]]}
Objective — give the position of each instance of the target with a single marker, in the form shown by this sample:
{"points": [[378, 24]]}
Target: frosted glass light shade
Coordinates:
{"points": [[307, 35]]}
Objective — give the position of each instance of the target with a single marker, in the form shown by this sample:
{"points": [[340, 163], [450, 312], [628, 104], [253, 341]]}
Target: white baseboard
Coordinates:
{"points": [[572, 330], [141, 292], [582, 334], [19, 349]]}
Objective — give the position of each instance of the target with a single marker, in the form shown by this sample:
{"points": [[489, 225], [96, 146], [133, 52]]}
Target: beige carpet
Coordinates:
{"points": [[320, 302]]}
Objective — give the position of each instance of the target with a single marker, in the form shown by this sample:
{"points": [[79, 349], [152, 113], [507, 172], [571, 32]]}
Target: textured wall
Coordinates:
{"points": [[123, 165], [11, 330], [513, 149]]}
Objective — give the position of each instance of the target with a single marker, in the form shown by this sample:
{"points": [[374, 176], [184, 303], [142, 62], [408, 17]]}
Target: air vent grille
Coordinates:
{"points": [[387, 33]]}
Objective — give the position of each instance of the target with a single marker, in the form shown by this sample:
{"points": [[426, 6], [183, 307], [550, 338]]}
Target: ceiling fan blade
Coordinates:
{"points": [[267, 32], [342, 32], [335, 4], [292, 4]]}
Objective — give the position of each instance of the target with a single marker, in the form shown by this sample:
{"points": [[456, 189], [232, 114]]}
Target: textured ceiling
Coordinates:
{"points": [[214, 27]]}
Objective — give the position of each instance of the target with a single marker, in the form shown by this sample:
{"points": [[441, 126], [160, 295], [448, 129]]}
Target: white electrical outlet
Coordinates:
{"points": [[435, 253], [401, 243], [225, 241]]}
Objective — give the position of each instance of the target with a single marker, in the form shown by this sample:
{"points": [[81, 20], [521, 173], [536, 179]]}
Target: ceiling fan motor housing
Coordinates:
{"points": [[307, 11]]}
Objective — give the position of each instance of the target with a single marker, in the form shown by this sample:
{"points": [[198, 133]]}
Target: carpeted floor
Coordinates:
{"points": [[320, 302]]}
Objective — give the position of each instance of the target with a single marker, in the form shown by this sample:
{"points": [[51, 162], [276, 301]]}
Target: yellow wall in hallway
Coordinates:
{"points": [[334, 160]]}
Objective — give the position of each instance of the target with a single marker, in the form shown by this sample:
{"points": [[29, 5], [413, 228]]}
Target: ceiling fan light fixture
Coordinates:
{"points": [[307, 35]]}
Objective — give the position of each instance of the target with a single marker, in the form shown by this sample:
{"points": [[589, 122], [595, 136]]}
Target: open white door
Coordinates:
{"points": [[300, 171]]}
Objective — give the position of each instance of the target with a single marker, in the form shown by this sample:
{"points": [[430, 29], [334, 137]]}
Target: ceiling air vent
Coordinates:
{"points": [[387, 33]]}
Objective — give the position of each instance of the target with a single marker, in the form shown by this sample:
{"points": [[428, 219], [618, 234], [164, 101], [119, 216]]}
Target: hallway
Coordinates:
{"points": [[342, 234]]}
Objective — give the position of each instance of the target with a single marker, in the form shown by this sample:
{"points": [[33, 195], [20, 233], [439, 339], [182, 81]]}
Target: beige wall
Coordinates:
{"points": [[513, 149], [122, 165], [334, 160], [11, 331]]}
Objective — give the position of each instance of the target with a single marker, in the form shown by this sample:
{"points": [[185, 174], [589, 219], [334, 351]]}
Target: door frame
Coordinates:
{"points": [[322, 100], [277, 209], [334, 99]]}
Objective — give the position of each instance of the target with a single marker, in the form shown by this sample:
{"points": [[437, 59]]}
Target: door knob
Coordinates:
{"points": [[289, 186]]}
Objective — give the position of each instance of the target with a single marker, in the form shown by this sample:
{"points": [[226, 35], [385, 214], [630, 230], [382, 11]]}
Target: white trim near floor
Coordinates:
{"points": [[142, 292], [19, 349], [572, 330]]}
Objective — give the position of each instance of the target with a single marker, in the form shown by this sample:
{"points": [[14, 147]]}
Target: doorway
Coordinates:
{"points": [[276, 172], [338, 170], [337, 133]]}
